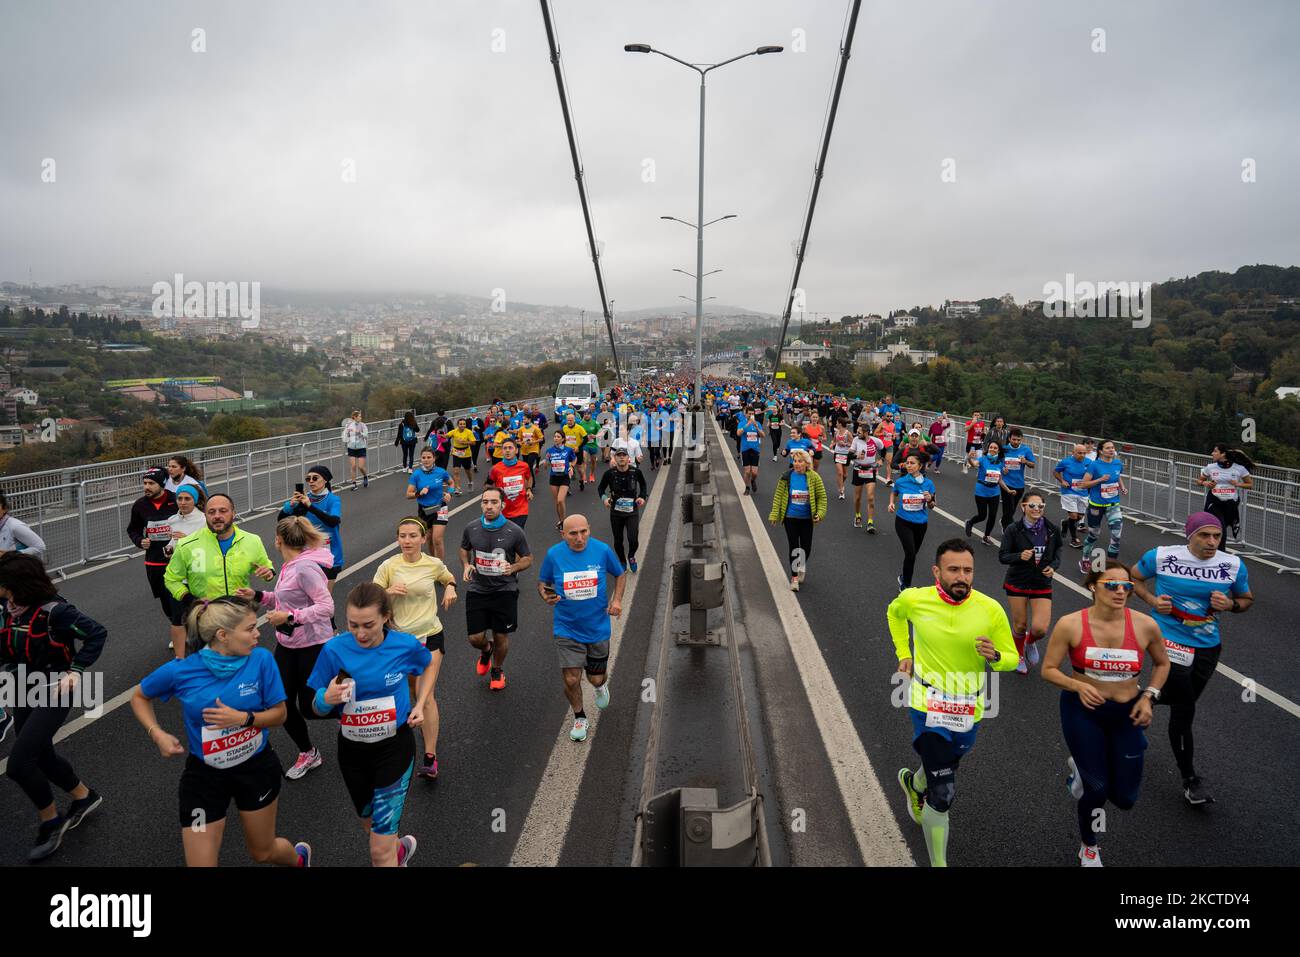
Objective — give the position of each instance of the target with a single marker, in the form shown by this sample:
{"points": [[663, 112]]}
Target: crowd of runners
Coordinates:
{"points": [[369, 663]]}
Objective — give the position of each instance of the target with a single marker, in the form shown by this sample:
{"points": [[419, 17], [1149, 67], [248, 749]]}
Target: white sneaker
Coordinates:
{"points": [[794, 582], [602, 696], [307, 761], [1031, 648], [1022, 668], [1074, 782], [406, 850], [1089, 856], [579, 732], [841, 496]]}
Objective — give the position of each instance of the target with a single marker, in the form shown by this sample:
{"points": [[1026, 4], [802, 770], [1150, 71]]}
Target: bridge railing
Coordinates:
{"points": [[1163, 485], [82, 512]]}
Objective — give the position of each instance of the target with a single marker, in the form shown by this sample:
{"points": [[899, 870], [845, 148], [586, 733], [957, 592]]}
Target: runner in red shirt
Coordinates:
{"points": [[515, 479], [975, 429]]}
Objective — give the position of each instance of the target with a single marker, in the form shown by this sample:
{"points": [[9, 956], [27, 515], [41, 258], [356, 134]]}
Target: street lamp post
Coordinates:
{"points": [[699, 219]]}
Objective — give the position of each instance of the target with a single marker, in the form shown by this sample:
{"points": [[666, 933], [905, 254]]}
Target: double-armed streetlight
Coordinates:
{"points": [[699, 224]]}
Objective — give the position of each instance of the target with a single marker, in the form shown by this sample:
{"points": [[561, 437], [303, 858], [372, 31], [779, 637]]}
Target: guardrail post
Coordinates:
{"points": [[1173, 488], [249, 460], [81, 524]]}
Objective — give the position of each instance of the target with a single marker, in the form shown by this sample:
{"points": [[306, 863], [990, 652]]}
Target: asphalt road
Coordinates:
{"points": [[1012, 807], [494, 750]]}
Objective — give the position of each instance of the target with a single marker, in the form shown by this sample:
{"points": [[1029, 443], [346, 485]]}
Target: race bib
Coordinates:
{"points": [[1077, 484], [956, 712], [1012, 465], [1038, 552], [1225, 492], [799, 497], [992, 476], [1109, 489], [558, 466], [158, 531], [841, 459], [1111, 664], [491, 563], [864, 472], [913, 501], [227, 747], [513, 486], [373, 719], [1179, 654], [751, 436], [581, 586], [626, 505], [443, 513]]}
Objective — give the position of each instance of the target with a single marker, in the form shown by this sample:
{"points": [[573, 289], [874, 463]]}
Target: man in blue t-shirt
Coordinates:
{"points": [[573, 581]]}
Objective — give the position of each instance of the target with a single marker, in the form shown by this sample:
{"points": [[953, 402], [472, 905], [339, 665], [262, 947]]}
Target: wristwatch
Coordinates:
{"points": [[1235, 609], [997, 656], [1154, 693], [252, 716], [290, 621]]}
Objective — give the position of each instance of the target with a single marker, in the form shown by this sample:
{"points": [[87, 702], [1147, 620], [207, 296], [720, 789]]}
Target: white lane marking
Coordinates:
{"points": [[550, 815], [1286, 704], [874, 828], [86, 720]]}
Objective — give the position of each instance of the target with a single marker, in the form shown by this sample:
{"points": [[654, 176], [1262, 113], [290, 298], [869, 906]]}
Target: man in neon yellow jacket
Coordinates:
{"points": [[956, 633], [217, 560]]}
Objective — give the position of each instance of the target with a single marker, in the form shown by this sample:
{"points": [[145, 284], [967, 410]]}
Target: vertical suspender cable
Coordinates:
{"points": [[817, 182], [582, 189]]}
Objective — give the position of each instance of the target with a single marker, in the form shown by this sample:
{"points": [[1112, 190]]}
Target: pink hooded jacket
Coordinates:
{"points": [[301, 589]]}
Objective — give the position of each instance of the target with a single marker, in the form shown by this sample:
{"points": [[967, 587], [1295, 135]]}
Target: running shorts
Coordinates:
{"points": [[206, 792], [497, 612], [594, 657], [377, 776], [749, 457]]}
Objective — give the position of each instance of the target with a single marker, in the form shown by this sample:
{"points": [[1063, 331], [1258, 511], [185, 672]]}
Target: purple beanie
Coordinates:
{"points": [[1198, 520]]}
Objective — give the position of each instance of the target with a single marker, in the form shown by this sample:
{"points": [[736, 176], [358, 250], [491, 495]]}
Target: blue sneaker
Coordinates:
{"points": [[1074, 784], [631, 564], [602, 696]]}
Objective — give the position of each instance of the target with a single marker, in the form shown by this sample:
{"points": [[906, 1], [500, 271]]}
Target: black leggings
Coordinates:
{"points": [[798, 535], [1183, 687], [33, 763], [986, 506], [631, 523], [295, 666], [1229, 513], [408, 454], [1010, 502], [775, 436], [911, 534]]}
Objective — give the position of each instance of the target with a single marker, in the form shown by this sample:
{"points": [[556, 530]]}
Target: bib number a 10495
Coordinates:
{"points": [[372, 719]]}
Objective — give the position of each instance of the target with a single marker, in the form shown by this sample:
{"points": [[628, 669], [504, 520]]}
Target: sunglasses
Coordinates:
{"points": [[1117, 586], [1034, 505]]}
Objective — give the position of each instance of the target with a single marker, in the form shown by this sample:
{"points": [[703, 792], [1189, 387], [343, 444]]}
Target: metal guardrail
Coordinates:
{"points": [[1163, 486], [82, 512]]}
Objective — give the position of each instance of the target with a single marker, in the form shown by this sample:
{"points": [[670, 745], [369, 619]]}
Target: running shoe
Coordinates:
{"points": [[427, 768], [988, 540], [794, 582], [303, 850], [579, 732], [746, 492], [1089, 856], [1074, 783], [774, 458], [901, 586], [307, 761], [1084, 566], [631, 564], [6, 722], [602, 696], [365, 481], [857, 521], [1195, 792], [871, 527], [1022, 666], [498, 682], [79, 808], [484, 660], [968, 528], [1031, 648], [406, 849], [171, 646], [841, 496], [559, 525], [49, 836], [915, 801], [1075, 543]]}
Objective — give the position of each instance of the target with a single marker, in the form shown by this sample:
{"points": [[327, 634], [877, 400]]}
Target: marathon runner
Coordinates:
{"points": [[320, 506], [1105, 486], [1103, 711], [590, 446], [530, 443], [956, 634], [17, 535], [47, 636], [573, 579], [430, 487], [463, 444], [493, 551], [515, 479], [1016, 457], [359, 678], [865, 450], [1031, 550], [886, 432], [150, 528], [750, 434], [356, 436], [561, 461], [301, 610], [1194, 584], [181, 470], [975, 429], [841, 449], [815, 433], [774, 418], [1224, 479], [230, 693], [799, 503], [988, 488], [1070, 473], [910, 501], [623, 488], [410, 579], [218, 560], [938, 432], [998, 432], [575, 437]]}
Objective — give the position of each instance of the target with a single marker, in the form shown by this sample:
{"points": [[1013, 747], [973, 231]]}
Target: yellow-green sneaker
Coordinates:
{"points": [[915, 802]]}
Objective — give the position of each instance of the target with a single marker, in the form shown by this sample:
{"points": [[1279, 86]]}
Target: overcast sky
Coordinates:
{"points": [[227, 164]]}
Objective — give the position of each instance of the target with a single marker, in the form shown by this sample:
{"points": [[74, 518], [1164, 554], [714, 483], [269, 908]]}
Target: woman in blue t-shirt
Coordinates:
{"points": [[988, 487], [230, 693], [910, 500], [1105, 486]]}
